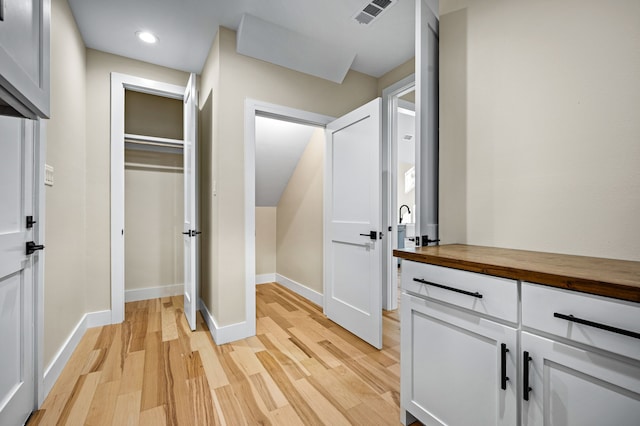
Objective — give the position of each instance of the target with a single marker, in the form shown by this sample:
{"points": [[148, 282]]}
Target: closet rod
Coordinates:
{"points": [[152, 166], [152, 140]]}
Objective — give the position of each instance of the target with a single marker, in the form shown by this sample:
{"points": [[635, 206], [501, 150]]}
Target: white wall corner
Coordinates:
{"points": [[300, 289], [266, 278], [147, 293], [227, 333]]}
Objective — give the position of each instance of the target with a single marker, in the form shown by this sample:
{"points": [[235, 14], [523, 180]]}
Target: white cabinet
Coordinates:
{"points": [[584, 366], [572, 386], [459, 369], [459, 351], [573, 359], [24, 58]]}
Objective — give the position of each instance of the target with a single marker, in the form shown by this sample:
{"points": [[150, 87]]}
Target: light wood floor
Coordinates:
{"points": [[300, 369]]}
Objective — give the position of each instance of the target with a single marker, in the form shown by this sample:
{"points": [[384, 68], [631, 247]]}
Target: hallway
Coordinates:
{"points": [[300, 368]]}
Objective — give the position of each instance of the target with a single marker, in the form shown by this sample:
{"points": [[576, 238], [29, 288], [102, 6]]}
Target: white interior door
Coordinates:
{"points": [[190, 202], [17, 365], [353, 250], [427, 121]]}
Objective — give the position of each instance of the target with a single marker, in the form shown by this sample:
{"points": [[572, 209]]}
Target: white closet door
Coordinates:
{"points": [[190, 202], [17, 386]]}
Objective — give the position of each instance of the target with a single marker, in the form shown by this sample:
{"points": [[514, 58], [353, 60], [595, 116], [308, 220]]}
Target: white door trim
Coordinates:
{"points": [[252, 108], [120, 82], [390, 187], [40, 151]]}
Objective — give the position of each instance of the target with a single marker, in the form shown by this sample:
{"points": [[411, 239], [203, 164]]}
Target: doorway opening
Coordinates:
{"points": [[154, 196], [268, 119], [145, 163], [399, 146], [289, 173]]}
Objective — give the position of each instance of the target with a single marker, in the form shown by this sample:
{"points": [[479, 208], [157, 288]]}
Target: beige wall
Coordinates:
{"points": [[208, 173], [154, 199], [98, 80], [551, 140], [152, 115], [242, 77], [265, 240], [396, 75], [65, 278], [453, 128], [299, 253]]}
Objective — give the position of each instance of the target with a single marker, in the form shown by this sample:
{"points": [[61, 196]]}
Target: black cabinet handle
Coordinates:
{"points": [[525, 376], [503, 366], [616, 330], [457, 290], [187, 233]]}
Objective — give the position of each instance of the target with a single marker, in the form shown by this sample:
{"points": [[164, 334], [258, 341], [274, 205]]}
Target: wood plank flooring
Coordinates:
{"points": [[299, 369]]}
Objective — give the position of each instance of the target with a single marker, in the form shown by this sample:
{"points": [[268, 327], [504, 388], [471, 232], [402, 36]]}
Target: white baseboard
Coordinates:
{"points": [[89, 320], [227, 333], [265, 278], [98, 318], [301, 290], [137, 294]]}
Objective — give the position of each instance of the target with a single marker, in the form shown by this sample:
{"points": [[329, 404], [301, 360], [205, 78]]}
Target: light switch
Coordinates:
{"points": [[48, 175]]}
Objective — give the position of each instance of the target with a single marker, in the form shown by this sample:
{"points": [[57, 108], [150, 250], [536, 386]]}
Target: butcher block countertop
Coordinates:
{"points": [[604, 277]]}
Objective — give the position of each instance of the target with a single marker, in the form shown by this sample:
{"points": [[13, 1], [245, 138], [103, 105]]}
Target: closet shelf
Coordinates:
{"points": [[152, 140]]}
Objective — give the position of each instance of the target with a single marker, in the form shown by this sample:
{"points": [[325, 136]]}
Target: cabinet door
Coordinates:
{"points": [[576, 387], [451, 367], [24, 57]]}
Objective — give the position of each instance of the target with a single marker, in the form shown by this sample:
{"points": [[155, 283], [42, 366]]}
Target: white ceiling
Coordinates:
{"points": [[279, 146], [186, 28]]}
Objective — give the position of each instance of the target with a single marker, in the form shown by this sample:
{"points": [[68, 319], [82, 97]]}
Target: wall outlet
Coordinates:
{"points": [[48, 175]]}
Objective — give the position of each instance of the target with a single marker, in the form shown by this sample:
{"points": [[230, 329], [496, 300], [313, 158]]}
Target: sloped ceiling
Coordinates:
{"points": [[279, 146]]}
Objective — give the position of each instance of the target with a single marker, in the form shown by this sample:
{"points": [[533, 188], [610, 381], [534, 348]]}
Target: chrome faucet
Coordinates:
{"points": [[408, 211]]}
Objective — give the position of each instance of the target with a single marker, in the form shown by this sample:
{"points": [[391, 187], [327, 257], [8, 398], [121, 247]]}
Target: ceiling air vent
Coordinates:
{"points": [[372, 10]]}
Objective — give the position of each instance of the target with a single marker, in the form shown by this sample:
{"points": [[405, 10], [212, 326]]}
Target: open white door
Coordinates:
{"points": [[352, 246], [17, 252], [427, 125], [190, 202]]}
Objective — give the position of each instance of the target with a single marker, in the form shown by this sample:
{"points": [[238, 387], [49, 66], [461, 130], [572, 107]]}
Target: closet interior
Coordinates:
{"points": [[154, 188]]}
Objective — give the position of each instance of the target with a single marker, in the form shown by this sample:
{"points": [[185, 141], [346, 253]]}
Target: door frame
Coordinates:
{"points": [[120, 82], [39, 211], [253, 108], [390, 97]]}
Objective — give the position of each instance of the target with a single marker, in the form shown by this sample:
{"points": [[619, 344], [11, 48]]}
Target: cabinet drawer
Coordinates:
{"points": [[542, 306], [484, 294]]}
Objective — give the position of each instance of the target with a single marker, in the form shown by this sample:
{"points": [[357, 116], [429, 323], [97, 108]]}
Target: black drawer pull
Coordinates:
{"points": [[526, 359], [457, 290], [503, 366], [616, 330]]}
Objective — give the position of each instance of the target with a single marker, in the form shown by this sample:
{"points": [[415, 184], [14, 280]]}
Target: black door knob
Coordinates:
{"points": [[372, 234], [33, 247]]}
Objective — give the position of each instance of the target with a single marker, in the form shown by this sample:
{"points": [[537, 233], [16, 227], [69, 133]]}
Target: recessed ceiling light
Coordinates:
{"points": [[147, 37]]}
